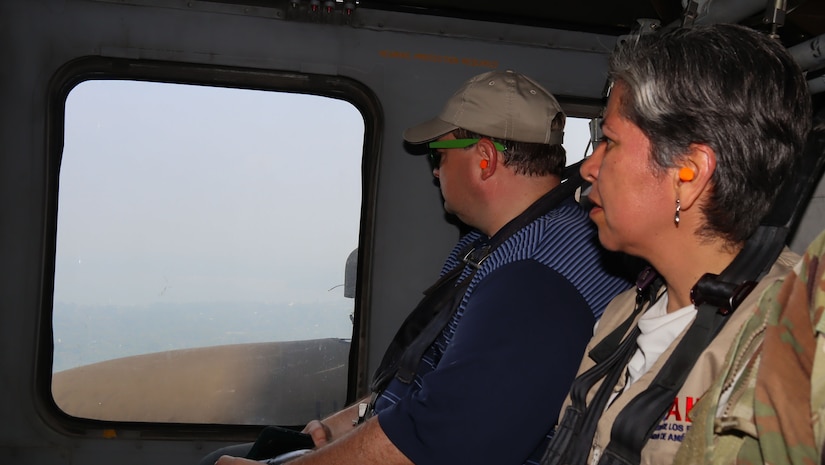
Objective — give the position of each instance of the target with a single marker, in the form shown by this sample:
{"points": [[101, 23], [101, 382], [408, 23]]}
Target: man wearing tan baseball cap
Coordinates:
{"points": [[501, 104], [478, 371], [509, 130]]}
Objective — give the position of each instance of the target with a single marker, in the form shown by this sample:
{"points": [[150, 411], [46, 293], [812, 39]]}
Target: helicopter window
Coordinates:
{"points": [[577, 139], [202, 237]]}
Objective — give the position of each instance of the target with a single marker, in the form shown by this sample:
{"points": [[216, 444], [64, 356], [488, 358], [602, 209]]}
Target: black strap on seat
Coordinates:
{"points": [[636, 422], [571, 442], [648, 284], [443, 298]]}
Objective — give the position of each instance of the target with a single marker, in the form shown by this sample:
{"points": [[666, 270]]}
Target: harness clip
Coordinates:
{"points": [[723, 295], [476, 256]]}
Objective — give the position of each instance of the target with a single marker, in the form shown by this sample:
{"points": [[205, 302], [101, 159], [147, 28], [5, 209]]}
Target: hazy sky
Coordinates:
{"points": [[189, 194], [185, 193]]}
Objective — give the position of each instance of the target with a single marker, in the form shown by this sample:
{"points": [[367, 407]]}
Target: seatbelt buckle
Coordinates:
{"points": [[725, 296], [362, 413], [366, 409], [476, 256]]}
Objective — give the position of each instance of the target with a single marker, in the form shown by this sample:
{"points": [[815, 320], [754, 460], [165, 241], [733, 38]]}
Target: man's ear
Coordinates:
{"points": [[488, 158], [692, 176]]}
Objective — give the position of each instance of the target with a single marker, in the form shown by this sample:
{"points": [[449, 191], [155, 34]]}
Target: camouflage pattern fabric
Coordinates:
{"points": [[773, 407]]}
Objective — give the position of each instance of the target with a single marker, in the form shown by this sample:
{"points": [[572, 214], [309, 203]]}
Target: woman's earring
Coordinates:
{"points": [[678, 209]]}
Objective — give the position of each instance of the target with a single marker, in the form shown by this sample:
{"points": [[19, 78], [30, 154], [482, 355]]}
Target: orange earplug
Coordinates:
{"points": [[484, 164], [686, 174]]}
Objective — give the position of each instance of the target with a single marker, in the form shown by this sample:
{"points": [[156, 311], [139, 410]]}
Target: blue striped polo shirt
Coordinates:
{"points": [[489, 389]]}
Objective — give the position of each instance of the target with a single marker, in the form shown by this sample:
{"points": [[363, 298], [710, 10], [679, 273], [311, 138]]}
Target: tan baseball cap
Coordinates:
{"points": [[500, 104]]}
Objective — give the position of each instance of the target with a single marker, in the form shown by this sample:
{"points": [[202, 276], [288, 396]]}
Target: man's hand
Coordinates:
{"points": [[334, 426], [320, 432]]}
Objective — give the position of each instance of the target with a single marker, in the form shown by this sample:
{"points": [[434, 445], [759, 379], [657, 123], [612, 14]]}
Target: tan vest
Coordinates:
{"points": [[666, 438]]}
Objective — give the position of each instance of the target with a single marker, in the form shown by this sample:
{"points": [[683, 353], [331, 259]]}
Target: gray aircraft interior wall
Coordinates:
{"points": [[409, 75], [409, 64]]}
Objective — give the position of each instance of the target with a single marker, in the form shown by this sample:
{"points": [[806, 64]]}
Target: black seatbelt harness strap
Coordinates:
{"points": [[636, 422], [443, 298], [571, 442], [715, 297]]}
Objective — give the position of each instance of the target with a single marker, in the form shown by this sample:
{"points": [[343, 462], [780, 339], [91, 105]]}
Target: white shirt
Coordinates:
{"points": [[658, 331]]}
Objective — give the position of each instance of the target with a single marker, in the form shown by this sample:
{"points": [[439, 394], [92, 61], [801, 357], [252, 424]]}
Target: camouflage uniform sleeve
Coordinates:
{"points": [[815, 270], [783, 404], [775, 376]]}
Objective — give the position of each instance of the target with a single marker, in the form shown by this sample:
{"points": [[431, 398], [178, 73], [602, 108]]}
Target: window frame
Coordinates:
{"points": [[96, 68]]}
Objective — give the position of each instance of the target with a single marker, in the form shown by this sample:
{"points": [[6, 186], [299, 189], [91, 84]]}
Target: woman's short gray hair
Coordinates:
{"points": [[729, 87]]}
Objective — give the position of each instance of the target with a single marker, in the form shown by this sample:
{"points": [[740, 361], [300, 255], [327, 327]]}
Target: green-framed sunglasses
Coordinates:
{"points": [[435, 155]]}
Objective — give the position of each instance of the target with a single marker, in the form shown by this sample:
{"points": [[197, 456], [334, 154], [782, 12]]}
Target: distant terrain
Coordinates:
{"points": [[90, 334]]}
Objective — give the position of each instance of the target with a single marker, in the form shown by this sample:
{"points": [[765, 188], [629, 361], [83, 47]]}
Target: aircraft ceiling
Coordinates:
{"points": [[805, 18], [803, 21]]}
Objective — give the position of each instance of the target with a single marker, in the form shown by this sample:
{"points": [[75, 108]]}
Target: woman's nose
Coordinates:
{"points": [[590, 167]]}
